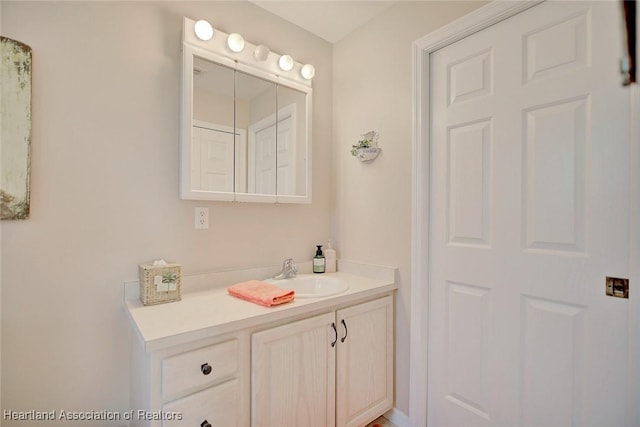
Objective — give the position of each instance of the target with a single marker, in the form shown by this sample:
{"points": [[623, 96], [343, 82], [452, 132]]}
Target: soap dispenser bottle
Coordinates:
{"points": [[319, 262], [330, 256]]}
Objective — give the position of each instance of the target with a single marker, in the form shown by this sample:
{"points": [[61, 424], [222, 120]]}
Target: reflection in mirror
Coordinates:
{"points": [[245, 124], [212, 161], [255, 116], [292, 142]]}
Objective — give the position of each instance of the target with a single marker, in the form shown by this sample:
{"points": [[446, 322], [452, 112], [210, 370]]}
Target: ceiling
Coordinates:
{"points": [[330, 20]]}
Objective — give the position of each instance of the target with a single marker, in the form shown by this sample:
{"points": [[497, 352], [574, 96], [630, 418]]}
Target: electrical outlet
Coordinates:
{"points": [[202, 218]]}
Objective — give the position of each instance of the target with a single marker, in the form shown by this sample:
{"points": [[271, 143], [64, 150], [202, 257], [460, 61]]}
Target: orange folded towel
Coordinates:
{"points": [[261, 293]]}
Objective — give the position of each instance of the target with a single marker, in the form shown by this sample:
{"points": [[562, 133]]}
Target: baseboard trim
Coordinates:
{"points": [[397, 417]]}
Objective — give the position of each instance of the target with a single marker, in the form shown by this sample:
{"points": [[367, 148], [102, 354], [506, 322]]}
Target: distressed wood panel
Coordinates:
{"points": [[15, 125]]}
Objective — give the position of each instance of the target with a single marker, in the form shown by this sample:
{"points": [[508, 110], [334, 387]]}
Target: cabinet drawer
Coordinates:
{"points": [[217, 405], [199, 368]]}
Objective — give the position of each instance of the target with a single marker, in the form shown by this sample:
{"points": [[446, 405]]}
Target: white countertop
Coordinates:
{"points": [[213, 312]]}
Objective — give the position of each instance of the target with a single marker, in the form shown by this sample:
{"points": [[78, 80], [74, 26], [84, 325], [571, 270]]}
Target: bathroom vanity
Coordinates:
{"points": [[215, 360]]}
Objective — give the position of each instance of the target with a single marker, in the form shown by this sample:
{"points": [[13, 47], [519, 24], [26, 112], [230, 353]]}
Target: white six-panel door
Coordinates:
{"points": [[529, 214], [213, 166], [271, 161]]}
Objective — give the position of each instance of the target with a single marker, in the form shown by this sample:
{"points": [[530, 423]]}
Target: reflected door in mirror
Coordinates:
{"points": [[256, 112], [214, 164], [292, 144], [214, 149], [213, 128]]}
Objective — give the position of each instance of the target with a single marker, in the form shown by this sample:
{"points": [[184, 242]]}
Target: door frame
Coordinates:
{"points": [[467, 25]]}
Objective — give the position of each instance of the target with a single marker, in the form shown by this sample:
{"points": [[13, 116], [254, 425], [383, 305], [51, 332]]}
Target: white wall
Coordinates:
{"points": [[104, 193], [0, 261], [213, 108], [105, 180], [372, 90]]}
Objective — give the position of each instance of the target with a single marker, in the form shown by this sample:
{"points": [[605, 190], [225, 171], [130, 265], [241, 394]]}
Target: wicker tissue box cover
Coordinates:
{"points": [[159, 282]]}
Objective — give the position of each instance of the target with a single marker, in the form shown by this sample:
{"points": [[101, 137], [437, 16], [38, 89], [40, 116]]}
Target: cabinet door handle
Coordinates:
{"points": [[346, 331], [205, 423], [206, 369], [335, 331]]}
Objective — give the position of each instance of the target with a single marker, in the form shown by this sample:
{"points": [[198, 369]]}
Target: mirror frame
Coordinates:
{"points": [[215, 50]]}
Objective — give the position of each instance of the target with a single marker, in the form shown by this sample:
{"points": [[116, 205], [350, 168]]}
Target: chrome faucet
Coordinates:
{"points": [[289, 269]]}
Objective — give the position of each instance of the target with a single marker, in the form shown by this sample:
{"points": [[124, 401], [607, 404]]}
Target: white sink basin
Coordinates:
{"points": [[312, 285]]}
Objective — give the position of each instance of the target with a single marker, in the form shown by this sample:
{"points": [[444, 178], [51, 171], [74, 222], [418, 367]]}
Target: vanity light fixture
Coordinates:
{"points": [[235, 42], [285, 63], [261, 53], [307, 71], [235, 47], [203, 30]]}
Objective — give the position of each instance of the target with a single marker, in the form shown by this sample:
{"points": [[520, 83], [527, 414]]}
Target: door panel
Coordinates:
{"points": [[364, 384], [468, 183], [553, 336], [293, 374], [555, 162], [466, 346], [529, 214]]}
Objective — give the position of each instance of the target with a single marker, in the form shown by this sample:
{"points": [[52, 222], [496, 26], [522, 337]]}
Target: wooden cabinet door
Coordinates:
{"points": [[293, 374], [364, 362]]}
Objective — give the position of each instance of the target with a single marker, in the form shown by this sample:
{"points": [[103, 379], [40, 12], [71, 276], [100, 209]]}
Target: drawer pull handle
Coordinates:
{"points": [[346, 331], [205, 423], [335, 331], [206, 369]]}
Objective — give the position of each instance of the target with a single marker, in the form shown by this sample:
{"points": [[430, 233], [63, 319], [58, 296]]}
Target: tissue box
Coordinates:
{"points": [[159, 283]]}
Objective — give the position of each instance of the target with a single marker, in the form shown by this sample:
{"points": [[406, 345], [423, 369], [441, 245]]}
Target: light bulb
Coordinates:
{"points": [[285, 62], [203, 30], [235, 42], [307, 71], [261, 53]]}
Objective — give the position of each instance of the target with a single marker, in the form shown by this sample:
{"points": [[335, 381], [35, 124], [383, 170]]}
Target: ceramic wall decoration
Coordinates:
{"points": [[366, 150]]}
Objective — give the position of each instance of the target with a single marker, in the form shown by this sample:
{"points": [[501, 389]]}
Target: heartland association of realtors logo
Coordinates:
{"points": [[104, 415]]}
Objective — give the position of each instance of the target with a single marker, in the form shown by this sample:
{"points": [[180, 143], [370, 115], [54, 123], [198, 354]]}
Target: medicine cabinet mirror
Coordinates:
{"points": [[245, 128]]}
